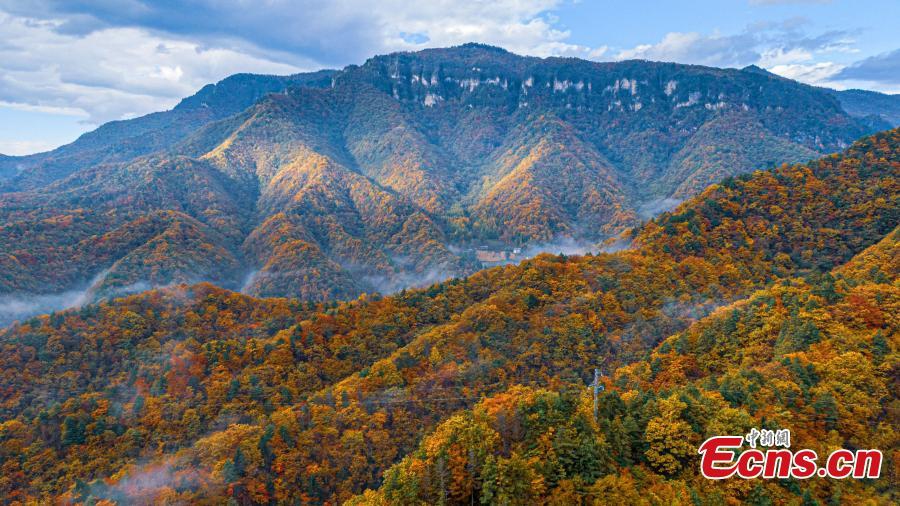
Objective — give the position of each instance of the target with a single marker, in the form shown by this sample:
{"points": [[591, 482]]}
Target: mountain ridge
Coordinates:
{"points": [[208, 104], [276, 399], [867, 104], [399, 170]]}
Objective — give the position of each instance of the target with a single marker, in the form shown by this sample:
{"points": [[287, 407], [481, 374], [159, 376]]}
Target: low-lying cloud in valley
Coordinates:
{"points": [[654, 207], [17, 307]]}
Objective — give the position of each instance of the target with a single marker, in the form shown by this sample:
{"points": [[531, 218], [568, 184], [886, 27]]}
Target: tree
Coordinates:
{"points": [[796, 334], [670, 438], [233, 469], [72, 431]]}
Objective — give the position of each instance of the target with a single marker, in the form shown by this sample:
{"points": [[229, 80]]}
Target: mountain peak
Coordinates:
{"points": [[754, 69], [482, 46], [470, 52], [239, 91]]}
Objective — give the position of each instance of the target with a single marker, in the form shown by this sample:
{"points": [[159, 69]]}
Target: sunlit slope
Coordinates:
{"points": [[275, 399], [389, 174]]}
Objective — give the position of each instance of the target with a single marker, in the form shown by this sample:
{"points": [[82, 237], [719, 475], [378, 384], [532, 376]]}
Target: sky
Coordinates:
{"points": [[68, 66]]}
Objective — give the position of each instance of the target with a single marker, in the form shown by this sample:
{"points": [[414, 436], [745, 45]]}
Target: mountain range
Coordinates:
{"points": [[395, 172], [767, 300]]}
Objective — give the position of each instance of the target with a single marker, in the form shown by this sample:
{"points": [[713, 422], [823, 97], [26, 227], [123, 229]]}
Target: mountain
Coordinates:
{"points": [[864, 103], [123, 140], [880, 110], [5, 166], [816, 357], [410, 168], [766, 298]]}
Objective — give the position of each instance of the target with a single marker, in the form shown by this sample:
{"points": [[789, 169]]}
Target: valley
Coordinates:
{"points": [[415, 270], [372, 178], [439, 392]]}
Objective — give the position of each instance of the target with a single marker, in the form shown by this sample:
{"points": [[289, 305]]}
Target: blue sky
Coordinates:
{"points": [[68, 66]]}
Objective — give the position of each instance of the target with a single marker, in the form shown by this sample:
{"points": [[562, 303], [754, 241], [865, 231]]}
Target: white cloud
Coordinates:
{"points": [[779, 56], [519, 26], [598, 52], [883, 69], [813, 73], [46, 109], [766, 44], [691, 47], [108, 74], [872, 73], [880, 72], [18, 147], [783, 49]]}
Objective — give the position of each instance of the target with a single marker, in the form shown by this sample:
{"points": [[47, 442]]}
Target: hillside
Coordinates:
{"points": [[197, 393], [391, 174], [818, 356], [865, 103], [119, 141]]}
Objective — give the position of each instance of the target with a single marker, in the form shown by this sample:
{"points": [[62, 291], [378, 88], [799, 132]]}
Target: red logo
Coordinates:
{"points": [[721, 457]]}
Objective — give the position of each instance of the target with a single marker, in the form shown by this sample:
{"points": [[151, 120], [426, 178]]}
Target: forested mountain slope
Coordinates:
{"points": [[865, 103], [818, 356], [124, 140], [391, 173], [197, 393]]}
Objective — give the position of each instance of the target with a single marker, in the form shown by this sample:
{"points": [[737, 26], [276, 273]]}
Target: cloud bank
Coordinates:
{"points": [[883, 69], [108, 74]]}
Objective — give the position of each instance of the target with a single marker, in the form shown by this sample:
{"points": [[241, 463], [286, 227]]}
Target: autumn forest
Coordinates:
{"points": [[765, 296]]}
